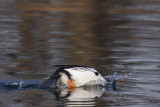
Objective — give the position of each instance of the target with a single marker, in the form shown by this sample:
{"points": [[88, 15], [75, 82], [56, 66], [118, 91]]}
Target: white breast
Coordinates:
{"points": [[85, 76]]}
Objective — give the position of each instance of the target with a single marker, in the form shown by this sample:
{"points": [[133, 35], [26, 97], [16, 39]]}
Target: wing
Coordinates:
{"points": [[49, 82]]}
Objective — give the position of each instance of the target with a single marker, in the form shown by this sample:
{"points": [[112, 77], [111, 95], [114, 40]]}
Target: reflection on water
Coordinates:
{"points": [[81, 96], [111, 36]]}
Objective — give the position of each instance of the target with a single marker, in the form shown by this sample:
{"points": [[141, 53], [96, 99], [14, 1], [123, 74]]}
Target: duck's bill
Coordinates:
{"points": [[71, 84]]}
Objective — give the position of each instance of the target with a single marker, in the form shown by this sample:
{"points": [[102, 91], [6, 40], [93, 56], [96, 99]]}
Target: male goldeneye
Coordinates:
{"points": [[74, 76]]}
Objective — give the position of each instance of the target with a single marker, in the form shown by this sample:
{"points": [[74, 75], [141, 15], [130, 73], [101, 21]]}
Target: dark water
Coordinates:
{"points": [[120, 36]]}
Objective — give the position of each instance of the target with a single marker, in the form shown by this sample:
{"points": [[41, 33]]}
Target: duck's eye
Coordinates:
{"points": [[96, 73]]}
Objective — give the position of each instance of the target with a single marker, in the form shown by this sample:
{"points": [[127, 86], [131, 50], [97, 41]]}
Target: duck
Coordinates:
{"points": [[72, 76]]}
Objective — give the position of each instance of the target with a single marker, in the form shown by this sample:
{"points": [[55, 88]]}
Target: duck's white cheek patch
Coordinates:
{"points": [[64, 78]]}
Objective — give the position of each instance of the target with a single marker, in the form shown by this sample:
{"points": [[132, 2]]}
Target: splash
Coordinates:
{"points": [[116, 77], [34, 84], [19, 84]]}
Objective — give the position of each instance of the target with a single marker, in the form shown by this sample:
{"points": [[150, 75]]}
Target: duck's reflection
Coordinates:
{"points": [[81, 96], [81, 93]]}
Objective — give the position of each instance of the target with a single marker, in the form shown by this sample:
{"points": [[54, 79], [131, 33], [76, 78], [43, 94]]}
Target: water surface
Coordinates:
{"points": [[109, 35]]}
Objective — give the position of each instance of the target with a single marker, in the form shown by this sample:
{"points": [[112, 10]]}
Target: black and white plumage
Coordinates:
{"points": [[74, 76]]}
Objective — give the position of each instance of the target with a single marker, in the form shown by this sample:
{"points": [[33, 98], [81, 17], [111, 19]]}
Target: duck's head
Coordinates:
{"points": [[74, 76]]}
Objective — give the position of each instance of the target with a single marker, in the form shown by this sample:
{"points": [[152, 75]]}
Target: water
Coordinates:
{"points": [[108, 35]]}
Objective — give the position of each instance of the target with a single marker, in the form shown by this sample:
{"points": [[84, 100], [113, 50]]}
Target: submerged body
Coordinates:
{"points": [[74, 76]]}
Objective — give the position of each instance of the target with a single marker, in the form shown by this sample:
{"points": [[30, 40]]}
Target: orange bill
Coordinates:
{"points": [[71, 84], [70, 90]]}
